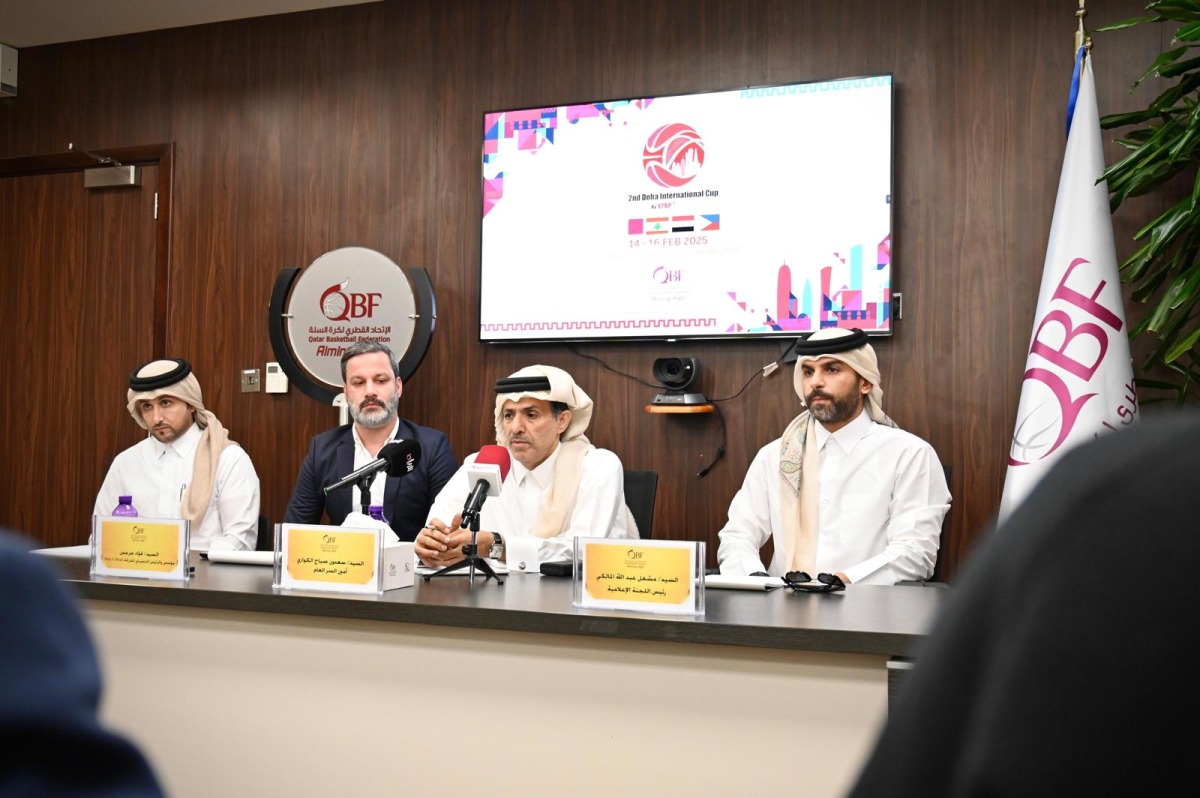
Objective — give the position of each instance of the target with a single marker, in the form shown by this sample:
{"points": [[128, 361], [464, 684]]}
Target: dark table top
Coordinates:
{"points": [[864, 619]]}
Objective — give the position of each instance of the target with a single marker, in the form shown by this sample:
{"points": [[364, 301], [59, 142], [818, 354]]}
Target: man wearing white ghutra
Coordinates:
{"points": [[844, 492]]}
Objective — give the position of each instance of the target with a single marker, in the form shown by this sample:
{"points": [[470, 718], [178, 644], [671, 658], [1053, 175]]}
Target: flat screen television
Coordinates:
{"points": [[751, 213]]}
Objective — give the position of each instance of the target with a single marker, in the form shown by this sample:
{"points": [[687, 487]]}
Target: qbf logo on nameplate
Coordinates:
{"points": [[659, 576], [341, 559], [141, 548]]}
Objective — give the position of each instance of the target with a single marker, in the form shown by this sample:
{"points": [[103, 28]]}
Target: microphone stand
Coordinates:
{"points": [[472, 560], [364, 491]]}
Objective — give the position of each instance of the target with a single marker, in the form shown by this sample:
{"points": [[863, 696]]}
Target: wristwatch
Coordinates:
{"points": [[497, 550]]}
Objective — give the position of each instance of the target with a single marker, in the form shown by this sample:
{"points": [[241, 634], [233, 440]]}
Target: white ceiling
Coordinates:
{"points": [[28, 23]]}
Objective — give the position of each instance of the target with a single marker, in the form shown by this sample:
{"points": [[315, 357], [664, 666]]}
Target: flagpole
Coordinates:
{"points": [[1081, 37]]}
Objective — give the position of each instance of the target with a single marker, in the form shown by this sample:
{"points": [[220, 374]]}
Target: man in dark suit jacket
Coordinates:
{"points": [[53, 742], [370, 373]]}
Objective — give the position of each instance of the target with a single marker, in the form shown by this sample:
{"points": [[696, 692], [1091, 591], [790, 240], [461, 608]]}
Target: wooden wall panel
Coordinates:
{"points": [[361, 126]]}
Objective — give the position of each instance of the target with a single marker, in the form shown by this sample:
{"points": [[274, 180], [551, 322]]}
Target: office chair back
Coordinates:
{"points": [[641, 489], [266, 535], [939, 571]]}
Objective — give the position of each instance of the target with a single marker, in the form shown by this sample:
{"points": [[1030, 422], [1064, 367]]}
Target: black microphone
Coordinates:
{"points": [[398, 457]]}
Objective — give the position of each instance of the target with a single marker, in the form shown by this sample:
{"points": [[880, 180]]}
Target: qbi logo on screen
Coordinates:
{"points": [[662, 275], [673, 155]]}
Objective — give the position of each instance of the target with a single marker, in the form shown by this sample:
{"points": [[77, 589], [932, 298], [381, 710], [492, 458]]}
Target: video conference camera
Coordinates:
{"points": [[676, 375]]}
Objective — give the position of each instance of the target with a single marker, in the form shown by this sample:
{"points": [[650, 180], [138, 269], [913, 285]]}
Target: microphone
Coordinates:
{"points": [[398, 457], [487, 473]]}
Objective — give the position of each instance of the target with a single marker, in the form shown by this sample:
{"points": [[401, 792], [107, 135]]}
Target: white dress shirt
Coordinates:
{"points": [[363, 456], [599, 506], [155, 475], [882, 500]]}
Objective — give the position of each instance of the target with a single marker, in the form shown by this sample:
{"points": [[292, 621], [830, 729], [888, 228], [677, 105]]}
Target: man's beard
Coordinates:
{"points": [[373, 416], [838, 409]]}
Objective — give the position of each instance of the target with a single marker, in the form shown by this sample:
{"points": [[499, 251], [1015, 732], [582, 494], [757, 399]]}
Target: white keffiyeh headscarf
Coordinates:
{"points": [[175, 378], [554, 515]]}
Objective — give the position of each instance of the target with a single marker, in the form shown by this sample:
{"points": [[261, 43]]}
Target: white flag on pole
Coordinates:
{"points": [[1078, 380]]}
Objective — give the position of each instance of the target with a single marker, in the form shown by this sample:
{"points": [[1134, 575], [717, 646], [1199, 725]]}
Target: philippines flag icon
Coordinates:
{"points": [[711, 221]]}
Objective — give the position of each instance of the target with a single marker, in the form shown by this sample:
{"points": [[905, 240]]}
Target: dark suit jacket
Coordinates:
{"points": [[53, 742], [406, 499]]}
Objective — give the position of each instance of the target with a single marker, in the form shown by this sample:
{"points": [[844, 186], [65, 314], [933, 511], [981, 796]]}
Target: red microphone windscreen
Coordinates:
{"points": [[497, 456]]}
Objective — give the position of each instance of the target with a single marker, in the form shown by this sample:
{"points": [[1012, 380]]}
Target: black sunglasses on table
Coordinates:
{"points": [[801, 582]]}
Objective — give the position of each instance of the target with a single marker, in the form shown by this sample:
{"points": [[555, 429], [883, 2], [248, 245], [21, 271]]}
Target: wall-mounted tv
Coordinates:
{"points": [[752, 213]]}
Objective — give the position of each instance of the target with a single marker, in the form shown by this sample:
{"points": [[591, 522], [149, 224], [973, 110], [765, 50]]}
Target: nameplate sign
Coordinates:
{"points": [[341, 559], [661, 576], [143, 548]]}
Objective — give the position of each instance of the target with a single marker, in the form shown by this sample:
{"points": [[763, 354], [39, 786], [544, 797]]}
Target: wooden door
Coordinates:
{"points": [[81, 273]]}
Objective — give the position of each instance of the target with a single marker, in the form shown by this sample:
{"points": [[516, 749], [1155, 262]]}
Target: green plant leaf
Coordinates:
{"points": [[1132, 141], [1175, 306], [1166, 102], [1196, 189], [1177, 10], [1146, 167], [1135, 265], [1156, 275], [1166, 58], [1171, 223], [1179, 68], [1138, 330], [1183, 346], [1161, 140], [1181, 289], [1125, 23], [1137, 183], [1161, 385], [1184, 143], [1129, 118]]}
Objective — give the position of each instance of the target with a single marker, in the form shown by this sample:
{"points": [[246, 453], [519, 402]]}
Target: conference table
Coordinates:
{"points": [[454, 686]]}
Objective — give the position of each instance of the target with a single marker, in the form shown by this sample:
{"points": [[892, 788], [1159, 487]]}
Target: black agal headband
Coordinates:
{"points": [[156, 381], [522, 384], [806, 347]]}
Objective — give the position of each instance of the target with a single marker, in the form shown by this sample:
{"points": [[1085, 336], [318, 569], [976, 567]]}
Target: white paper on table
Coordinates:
{"points": [[242, 557], [83, 551], [729, 582]]}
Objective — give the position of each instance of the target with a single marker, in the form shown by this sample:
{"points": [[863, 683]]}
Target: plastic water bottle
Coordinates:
{"points": [[376, 512], [125, 507]]}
